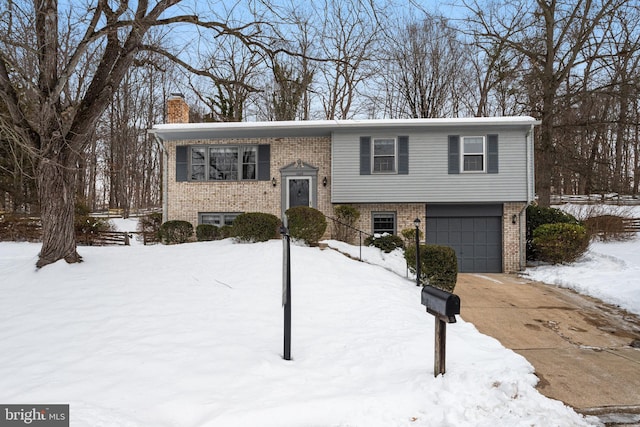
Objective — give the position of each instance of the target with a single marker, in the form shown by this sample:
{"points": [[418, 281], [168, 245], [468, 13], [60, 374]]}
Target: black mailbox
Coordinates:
{"points": [[441, 304]]}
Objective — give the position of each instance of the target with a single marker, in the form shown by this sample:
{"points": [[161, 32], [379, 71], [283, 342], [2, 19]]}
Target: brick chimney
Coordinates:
{"points": [[177, 109]]}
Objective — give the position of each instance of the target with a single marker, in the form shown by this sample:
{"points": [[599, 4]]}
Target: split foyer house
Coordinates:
{"points": [[468, 180]]}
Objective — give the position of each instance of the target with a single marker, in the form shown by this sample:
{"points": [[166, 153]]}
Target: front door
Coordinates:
{"points": [[298, 189]]}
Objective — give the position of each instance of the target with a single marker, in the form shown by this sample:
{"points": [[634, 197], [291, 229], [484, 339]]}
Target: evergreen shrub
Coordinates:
{"points": [[560, 242], [385, 242], [256, 227], [176, 231], [306, 223], [537, 216], [438, 265], [206, 232]]}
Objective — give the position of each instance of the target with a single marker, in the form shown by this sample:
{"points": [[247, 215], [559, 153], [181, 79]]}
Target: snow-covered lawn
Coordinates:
{"points": [[191, 335], [609, 271]]}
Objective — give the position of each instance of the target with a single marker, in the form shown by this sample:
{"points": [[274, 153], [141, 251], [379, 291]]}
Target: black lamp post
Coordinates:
{"points": [[416, 222]]}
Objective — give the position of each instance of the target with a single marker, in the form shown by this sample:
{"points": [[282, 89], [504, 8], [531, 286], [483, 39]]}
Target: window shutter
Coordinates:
{"points": [[403, 155], [492, 153], [182, 163], [454, 154], [365, 155], [264, 162]]}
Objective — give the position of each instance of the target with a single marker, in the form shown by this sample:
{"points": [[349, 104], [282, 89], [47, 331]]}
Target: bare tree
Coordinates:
{"points": [[56, 110], [349, 38], [428, 59], [551, 35]]}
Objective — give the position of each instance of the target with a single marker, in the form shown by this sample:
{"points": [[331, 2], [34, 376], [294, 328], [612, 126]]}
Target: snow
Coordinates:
{"points": [[192, 335], [608, 270]]}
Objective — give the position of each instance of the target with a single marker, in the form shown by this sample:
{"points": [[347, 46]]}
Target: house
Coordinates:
{"points": [[468, 180]]}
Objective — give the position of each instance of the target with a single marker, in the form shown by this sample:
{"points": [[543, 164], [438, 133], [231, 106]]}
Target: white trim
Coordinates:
{"points": [[484, 154], [395, 155]]}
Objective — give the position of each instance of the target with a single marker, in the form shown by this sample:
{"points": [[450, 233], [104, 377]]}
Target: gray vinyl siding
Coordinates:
{"points": [[429, 179]]}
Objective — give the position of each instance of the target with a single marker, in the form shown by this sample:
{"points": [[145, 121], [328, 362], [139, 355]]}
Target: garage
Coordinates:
{"points": [[473, 231]]}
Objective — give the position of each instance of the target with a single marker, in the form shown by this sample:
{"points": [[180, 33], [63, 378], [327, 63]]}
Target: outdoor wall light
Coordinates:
{"points": [[514, 219], [324, 181], [273, 181]]}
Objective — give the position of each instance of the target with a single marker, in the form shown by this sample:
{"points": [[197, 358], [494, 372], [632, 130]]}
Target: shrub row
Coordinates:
{"points": [[305, 224]]}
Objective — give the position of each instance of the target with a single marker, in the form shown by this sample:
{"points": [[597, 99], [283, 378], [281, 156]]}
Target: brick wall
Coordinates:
{"points": [[513, 246], [187, 199], [177, 109], [406, 213]]}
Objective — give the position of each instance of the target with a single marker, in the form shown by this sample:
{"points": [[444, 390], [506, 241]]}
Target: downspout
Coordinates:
{"points": [[530, 183], [165, 177]]}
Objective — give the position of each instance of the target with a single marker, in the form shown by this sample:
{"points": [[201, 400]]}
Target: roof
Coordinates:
{"points": [[190, 131]]}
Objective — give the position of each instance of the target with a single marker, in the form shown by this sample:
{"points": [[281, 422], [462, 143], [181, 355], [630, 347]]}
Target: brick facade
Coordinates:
{"points": [[177, 109], [513, 246], [187, 199]]}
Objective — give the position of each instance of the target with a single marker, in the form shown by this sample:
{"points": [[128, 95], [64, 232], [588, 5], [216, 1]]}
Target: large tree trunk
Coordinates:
{"points": [[57, 191]]}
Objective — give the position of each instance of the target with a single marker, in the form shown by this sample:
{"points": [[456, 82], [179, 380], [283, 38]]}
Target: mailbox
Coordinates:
{"points": [[441, 304]]}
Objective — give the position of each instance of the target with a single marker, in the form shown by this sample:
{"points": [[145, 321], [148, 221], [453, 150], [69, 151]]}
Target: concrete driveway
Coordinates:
{"points": [[585, 352]]}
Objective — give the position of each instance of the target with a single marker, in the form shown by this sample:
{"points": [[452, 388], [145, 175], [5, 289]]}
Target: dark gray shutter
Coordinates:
{"points": [[365, 155], [492, 153], [264, 162], [403, 155], [454, 153], [182, 163]]}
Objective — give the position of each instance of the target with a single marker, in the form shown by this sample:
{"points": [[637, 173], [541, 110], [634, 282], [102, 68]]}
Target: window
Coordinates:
{"points": [[473, 154], [224, 163], [198, 155], [384, 222], [384, 155], [217, 219], [477, 154]]}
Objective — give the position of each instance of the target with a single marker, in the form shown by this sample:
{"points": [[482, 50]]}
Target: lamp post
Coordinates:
{"points": [[416, 222]]}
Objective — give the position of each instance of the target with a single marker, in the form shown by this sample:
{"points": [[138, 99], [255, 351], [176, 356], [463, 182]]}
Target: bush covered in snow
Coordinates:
{"points": [[385, 242]]}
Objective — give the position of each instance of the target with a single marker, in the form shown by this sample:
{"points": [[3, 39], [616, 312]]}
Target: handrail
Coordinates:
{"points": [[360, 232]]}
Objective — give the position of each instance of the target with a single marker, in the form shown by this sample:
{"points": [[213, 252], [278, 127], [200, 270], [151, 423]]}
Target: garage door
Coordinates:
{"points": [[473, 231]]}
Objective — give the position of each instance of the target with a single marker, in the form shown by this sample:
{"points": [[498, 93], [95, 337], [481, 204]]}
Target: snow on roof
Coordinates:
{"points": [[322, 127]]}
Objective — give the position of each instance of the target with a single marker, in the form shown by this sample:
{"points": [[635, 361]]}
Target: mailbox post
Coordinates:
{"points": [[444, 306]]}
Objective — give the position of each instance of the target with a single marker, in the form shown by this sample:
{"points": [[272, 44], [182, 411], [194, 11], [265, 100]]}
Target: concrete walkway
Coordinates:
{"points": [[585, 352]]}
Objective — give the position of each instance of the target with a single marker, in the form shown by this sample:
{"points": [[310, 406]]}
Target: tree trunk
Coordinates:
{"points": [[57, 191]]}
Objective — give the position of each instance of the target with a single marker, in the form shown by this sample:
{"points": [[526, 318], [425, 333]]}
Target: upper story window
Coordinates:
{"points": [[223, 163], [473, 154], [384, 155]]}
